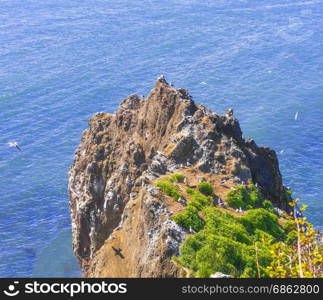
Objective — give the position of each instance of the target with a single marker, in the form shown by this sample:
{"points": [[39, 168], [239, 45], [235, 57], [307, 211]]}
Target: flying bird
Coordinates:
{"points": [[14, 144], [118, 252], [296, 116]]}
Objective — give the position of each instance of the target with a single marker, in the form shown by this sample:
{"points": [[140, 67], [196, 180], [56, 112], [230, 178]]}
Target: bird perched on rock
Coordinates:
{"points": [[181, 201], [191, 230], [14, 144], [117, 228], [229, 112]]}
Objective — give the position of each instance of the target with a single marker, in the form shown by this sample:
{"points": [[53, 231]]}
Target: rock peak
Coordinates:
{"points": [[161, 79], [113, 198]]}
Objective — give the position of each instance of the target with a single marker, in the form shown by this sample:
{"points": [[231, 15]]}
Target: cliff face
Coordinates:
{"points": [[114, 202]]}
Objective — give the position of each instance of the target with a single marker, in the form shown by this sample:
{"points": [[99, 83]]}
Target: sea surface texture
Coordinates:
{"points": [[61, 61]]}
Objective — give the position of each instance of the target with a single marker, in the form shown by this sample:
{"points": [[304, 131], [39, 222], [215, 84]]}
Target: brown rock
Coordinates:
{"points": [[111, 182]]}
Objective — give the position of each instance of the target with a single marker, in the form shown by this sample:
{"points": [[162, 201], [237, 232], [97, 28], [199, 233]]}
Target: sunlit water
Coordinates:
{"points": [[61, 61]]}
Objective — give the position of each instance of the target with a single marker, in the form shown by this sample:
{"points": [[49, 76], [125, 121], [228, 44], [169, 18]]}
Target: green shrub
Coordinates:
{"points": [[289, 226], [226, 243], [255, 196], [243, 197], [263, 237], [189, 218], [169, 189], [207, 260], [196, 204], [235, 199], [203, 200], [287, 197], [205, 188], [263, 220], [291, 237], [291, 232], [266, 204], [232, 252], [189, 191], [224, 224], [189, 249], [176, 177], [197, 199]]}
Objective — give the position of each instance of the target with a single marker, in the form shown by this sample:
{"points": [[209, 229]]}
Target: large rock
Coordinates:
{"points": [[120, 156]]}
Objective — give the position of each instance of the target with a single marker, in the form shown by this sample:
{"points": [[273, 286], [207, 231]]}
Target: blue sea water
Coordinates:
{"points": [[61, 61]]}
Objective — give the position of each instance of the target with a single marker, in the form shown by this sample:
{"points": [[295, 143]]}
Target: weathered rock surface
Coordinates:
{"points": [[113, 200]]}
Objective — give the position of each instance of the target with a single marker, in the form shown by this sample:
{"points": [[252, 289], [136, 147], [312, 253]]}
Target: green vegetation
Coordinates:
{"points": [[266, 204], [287, 196], [198, 200], [205, 188], [176, 178], [235, 198], [264, 220], [249, 245], [169, 189], [189, 217], [228, 244], [254, 194], [244, 197], [222, 223], [300, 255], [167, 185], [223, 242]]}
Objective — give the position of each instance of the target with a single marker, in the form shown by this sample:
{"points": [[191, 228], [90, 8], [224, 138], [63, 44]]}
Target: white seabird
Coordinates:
{"points": [[296, 116], [14, 144], [191, 230]]}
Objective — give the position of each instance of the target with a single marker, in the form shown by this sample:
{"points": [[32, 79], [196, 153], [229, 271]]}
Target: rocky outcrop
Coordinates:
{"points": [[121, 222]]}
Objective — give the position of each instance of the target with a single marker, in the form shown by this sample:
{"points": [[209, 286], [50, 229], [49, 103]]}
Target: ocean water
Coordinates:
{"points": [[61, 61]]}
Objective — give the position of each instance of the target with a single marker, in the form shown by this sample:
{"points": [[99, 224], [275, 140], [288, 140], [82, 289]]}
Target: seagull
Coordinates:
{"points": [[191, 230], [14, 144], [118, 228], [296, 116]]}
